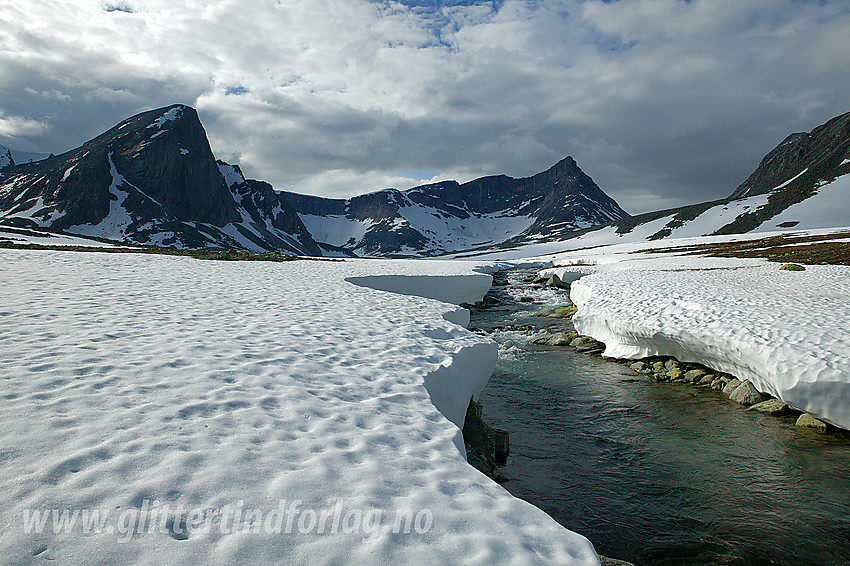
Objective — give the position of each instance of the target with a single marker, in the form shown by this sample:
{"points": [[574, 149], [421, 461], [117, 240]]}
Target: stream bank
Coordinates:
{"points": [[654, 472]]}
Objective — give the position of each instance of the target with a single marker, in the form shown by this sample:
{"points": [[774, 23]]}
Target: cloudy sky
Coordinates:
{"points": [[662, 102]]}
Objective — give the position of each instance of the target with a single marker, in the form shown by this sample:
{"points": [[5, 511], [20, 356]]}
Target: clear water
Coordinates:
{"points": [[659, 473]]}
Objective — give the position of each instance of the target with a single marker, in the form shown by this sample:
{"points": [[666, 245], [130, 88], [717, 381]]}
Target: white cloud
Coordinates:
{"points": [[662, 102], [20, 127]]}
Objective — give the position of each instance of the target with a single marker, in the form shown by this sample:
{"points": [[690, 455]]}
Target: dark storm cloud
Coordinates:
{"points": [[662, 102]]}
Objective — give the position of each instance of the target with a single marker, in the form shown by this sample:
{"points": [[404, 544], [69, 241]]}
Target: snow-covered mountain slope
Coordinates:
{"points": [[234, 413], [152, 180], [449, 216], [804, 183]]}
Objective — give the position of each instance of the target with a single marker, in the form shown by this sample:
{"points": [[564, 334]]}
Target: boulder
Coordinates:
{"points": [[591, 347], [694, 375], [555, 281], [605, 561], [564, 312], [707, 380], [658, 367], [746, 394], [675, 374], [808, 421], [560, 339], [641, 367], [719, 383], [554, 338], [579, 340], [792, 267], [732, 386], [773, 407]]}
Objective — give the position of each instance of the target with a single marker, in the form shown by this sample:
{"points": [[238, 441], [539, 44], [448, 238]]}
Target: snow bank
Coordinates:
{"points": [[189, 393], [454, 289], [784, 331]]}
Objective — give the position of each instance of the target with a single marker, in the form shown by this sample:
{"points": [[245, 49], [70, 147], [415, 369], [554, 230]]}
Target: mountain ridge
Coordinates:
{"points": [[449, 216]]}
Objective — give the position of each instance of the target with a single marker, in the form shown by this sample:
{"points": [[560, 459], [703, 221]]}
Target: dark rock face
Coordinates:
{"points": [[819, 153], [6, 160], [793, 171], [163, 153], [152, 179], [449, 216]]}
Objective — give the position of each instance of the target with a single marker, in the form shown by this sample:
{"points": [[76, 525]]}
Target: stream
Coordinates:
{"points": [[656, 473]]}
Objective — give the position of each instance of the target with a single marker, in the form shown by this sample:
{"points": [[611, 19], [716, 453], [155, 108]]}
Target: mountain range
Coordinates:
{"points": [[153, 179], [450, 216]]}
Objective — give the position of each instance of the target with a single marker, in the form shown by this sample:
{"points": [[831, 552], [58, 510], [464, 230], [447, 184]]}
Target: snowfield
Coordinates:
{"points": [[785, 331], [180, 398]]}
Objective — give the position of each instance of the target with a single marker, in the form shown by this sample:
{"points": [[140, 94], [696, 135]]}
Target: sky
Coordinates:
{"points": [[662, 102]]}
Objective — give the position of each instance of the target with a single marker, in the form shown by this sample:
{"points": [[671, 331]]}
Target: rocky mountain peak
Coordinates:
{"points": [[152, 179], [6, 160], [801, 161]]}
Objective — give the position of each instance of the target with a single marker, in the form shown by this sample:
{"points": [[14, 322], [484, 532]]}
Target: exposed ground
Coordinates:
{"points": [[825, 249]]}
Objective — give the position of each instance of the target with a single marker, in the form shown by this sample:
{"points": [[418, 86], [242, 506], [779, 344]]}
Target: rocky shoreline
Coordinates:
{"points": [[663, 368]]}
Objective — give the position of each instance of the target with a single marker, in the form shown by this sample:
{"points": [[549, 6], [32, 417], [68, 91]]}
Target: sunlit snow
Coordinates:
{"points": [[146, 384]]}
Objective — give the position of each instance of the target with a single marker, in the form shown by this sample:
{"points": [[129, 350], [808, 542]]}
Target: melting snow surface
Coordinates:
{"points": [[785, 331], [158, 386]]}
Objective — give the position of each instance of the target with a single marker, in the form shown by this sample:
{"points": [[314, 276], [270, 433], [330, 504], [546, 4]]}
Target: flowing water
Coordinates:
{"points": [[654, 472]]}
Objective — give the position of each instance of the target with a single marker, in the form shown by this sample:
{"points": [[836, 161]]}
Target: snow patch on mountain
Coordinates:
{"points": [[718, 216], [68, 172], [168, 116], [43, 238], [335, 229], [448, 232], [232, 174], [118, 219], [829, 208], [37, 211]]}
